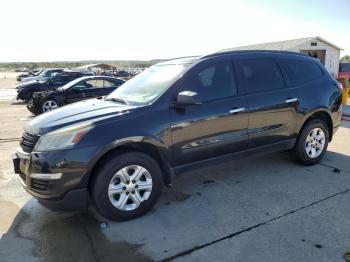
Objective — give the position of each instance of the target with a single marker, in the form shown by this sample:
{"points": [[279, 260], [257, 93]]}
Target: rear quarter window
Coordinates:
{"points": [[299, 71], [258, 75]]}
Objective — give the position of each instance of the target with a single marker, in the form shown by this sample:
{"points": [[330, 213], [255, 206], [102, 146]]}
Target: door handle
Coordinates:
{"points": [[237, 110], [291, 100]]}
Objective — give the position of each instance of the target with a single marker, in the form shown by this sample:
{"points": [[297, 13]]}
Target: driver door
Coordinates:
{"points": [[215, 126], [77, 92]]}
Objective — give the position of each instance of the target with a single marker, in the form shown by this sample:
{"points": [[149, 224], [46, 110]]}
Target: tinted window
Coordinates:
{"points": [[94, 83], [298, 71], [214, 82], [258, 75], [61, 79], [111, 83]]}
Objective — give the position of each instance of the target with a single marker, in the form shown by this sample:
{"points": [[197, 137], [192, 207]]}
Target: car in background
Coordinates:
{"points": [[79, 89], [344, 70], [43, 75], [25, 90], [123, 73], [25, 73]]}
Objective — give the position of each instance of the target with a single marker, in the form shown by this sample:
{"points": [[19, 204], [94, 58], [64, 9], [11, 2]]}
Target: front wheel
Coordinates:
{"points": [[49, 105], [127, 186], [312, 143]]}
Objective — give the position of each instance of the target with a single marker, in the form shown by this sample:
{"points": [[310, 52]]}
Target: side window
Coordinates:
{"points": [[60, 80], [94, 83], [298, 71], [80, 85], [214, 82], [109, 83], [99, 83], [257, 75]]}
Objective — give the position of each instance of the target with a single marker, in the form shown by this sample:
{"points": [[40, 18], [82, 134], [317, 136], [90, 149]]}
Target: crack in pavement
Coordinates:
{"points": [[195, 248], [89, 238]]}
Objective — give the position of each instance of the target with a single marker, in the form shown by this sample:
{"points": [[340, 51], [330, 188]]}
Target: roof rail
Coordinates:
{"points": [[220, 53]]}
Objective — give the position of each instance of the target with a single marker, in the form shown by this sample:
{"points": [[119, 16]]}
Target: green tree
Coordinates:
{"points": [[345, 58]]}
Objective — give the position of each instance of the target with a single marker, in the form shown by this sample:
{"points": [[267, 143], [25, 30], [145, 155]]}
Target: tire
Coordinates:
{"points": [[308, 152], [107, 178], [49, 104]]}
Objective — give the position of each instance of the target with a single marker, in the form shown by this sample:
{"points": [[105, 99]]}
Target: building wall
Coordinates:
{"points": [[332, 54]]}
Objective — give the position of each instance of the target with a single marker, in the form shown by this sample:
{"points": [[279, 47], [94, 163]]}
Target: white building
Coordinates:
{"points": [[326, 52]]}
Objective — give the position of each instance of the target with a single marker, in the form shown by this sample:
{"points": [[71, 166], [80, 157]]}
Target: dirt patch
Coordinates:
{"points": [[178, 196]]}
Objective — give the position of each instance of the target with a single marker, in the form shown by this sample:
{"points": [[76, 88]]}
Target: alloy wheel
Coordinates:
{"points": [[315, 142], [129, 187], [49, 105]]}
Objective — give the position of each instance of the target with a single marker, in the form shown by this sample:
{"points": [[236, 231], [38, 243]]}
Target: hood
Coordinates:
{"points": [[92, 110], [28, 84], [32, 78]]}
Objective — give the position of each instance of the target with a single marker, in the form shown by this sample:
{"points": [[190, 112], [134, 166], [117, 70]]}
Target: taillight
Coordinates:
{"points": [[340, 85]]}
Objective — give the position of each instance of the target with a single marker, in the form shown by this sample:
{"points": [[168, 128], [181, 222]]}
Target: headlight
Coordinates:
{"points": [[62, 138]]}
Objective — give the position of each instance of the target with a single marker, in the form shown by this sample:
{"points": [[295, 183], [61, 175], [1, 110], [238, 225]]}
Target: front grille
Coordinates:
{"points": [[28, 142], [41, 185]]}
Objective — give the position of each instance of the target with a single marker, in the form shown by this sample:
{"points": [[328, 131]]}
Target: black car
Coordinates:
{"points": [[117, 152], [79, 89], [25, 90]]}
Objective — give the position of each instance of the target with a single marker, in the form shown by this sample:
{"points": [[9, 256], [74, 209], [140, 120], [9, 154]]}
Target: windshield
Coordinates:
{"points": [[148, 85], [43, 73], [344, 67]]}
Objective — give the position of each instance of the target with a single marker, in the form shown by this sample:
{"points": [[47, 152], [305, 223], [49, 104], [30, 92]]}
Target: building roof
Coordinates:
{"points": [[281, 45]]}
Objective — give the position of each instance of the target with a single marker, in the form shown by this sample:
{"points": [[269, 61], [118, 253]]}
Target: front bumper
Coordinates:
{"points": [[58, 179], [22, 95]]}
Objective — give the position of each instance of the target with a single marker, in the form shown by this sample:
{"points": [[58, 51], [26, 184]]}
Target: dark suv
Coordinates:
{"points": [[118, 151]]}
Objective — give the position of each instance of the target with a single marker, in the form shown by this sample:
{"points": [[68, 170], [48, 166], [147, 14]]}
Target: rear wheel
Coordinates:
{"points": [[312, 143], [127, 186]]}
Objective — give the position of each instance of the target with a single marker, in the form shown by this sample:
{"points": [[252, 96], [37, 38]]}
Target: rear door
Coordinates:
{"points": [[272, 106], [217, 125]]}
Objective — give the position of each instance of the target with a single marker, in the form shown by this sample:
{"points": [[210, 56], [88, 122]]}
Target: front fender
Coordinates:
{"points": [[125, 141]]}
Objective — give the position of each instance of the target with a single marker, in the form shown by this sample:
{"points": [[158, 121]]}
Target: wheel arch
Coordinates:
{"points": [[151, 149], [322, 114]]}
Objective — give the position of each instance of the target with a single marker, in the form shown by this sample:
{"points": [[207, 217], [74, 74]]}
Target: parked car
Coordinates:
{"points": [[79, 89], [25, 90], [344, 70], [25, 73], [43, 75], [117, 152], [123, 73]]}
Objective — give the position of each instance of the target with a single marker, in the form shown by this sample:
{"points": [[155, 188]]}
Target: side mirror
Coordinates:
{"points": [[186, 98]]}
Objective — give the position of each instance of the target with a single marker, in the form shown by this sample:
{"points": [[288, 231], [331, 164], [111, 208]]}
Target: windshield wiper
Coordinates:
{"points": [[118, 100]]}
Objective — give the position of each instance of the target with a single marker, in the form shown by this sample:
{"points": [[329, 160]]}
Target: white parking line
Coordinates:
{"points": [[7, 94]]}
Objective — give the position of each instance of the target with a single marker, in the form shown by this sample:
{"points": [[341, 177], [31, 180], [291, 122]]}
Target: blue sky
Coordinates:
{"points": [[49, 30]]}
